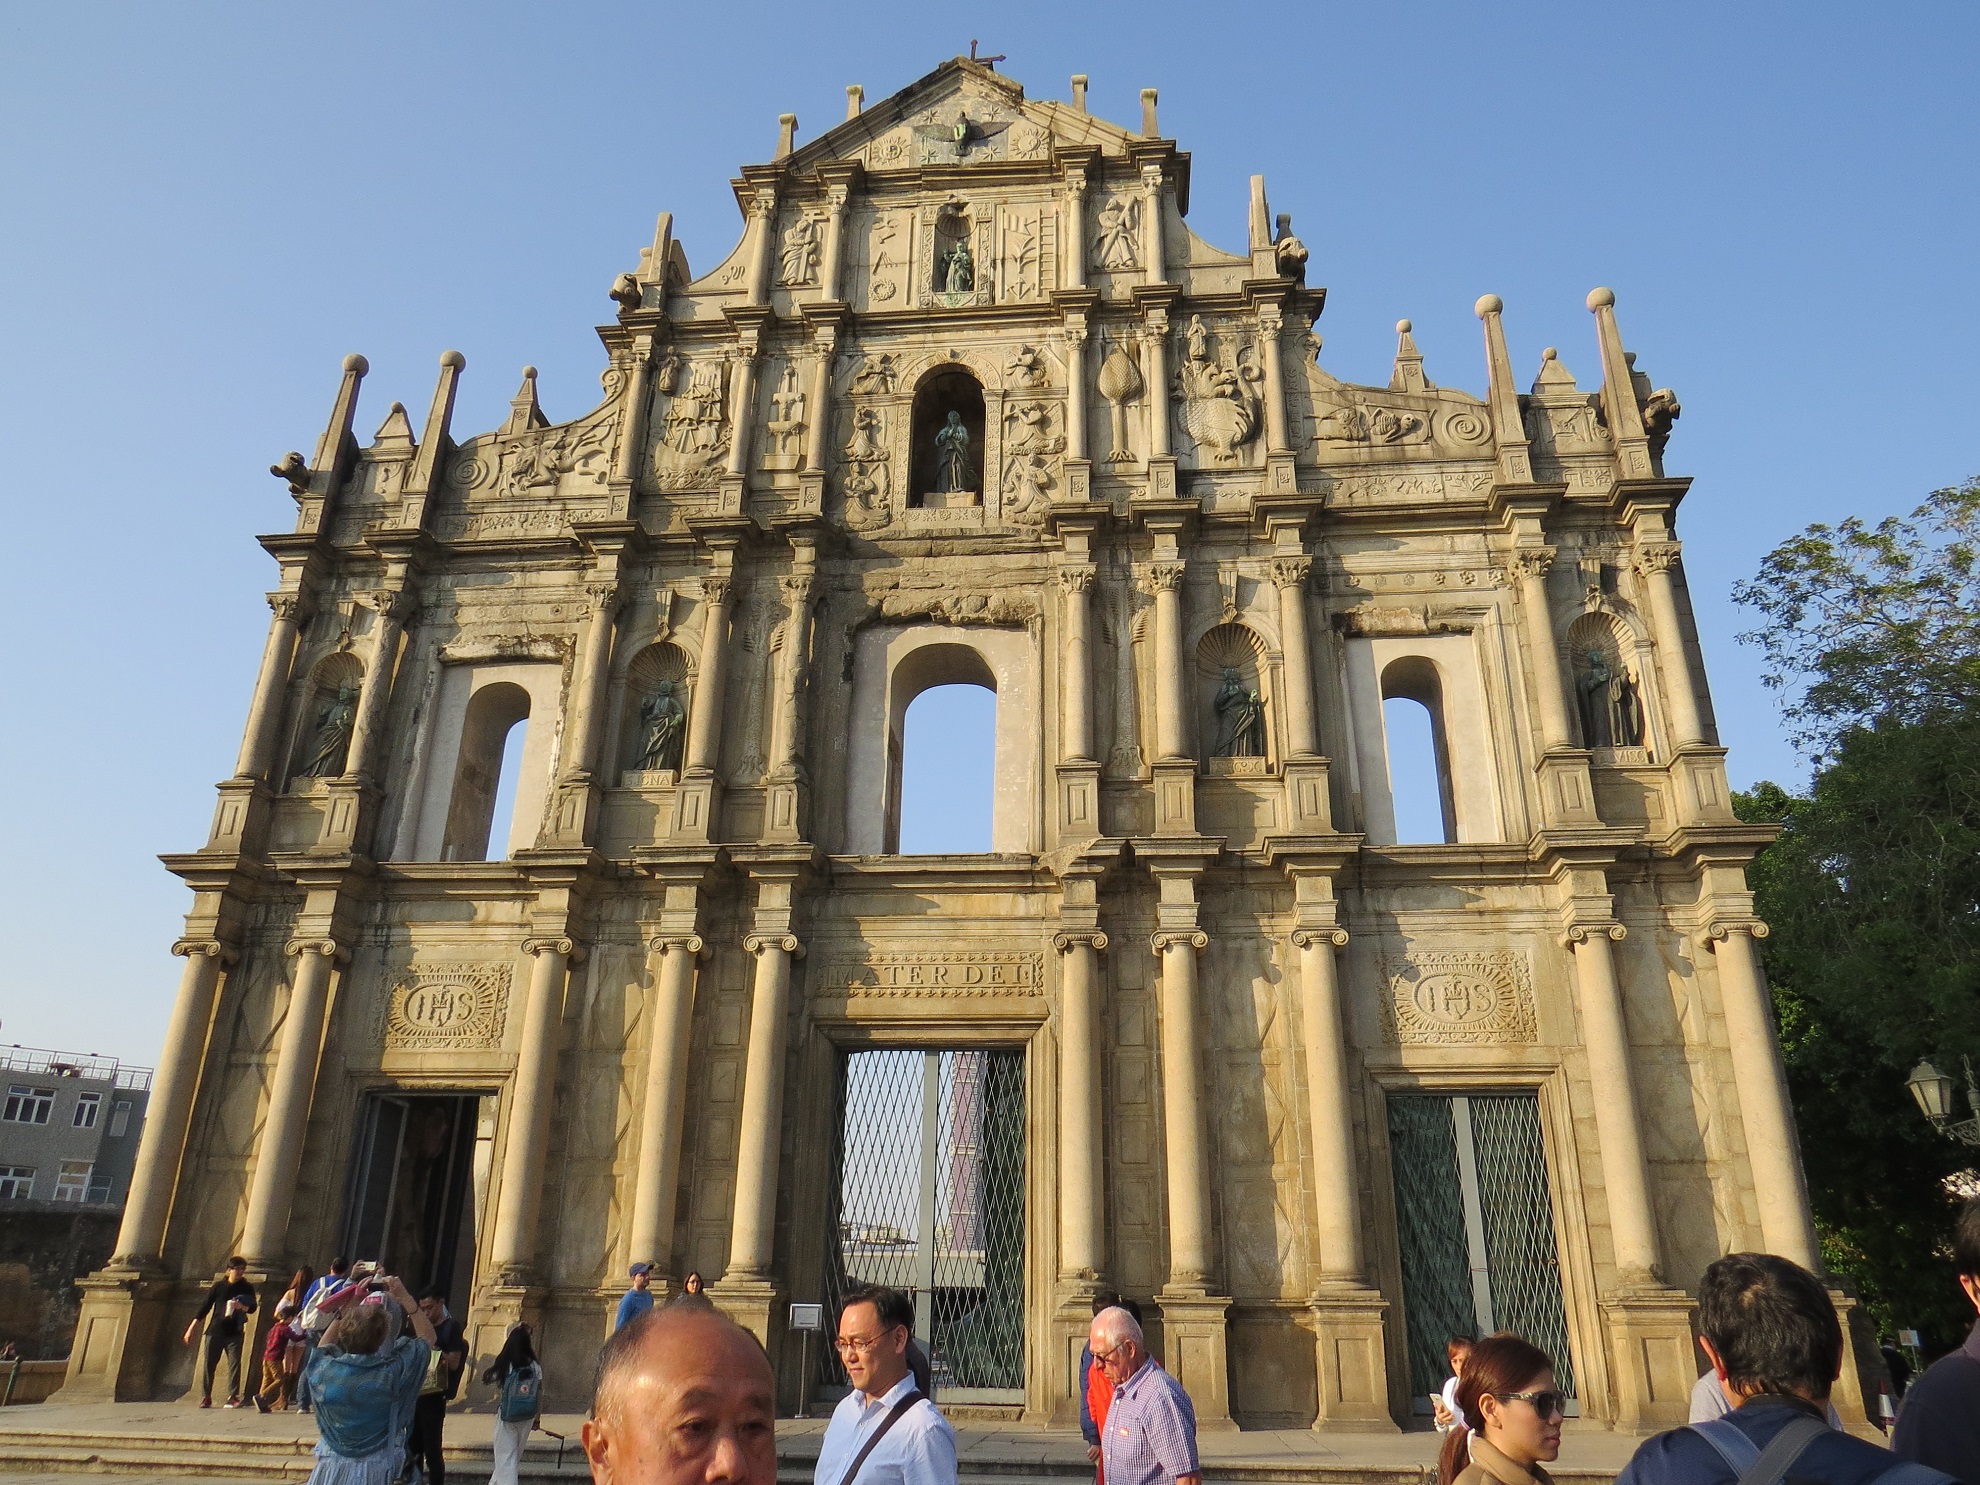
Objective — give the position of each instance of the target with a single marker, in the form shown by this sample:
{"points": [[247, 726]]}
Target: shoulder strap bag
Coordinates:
{"points": [[898, 1412]]}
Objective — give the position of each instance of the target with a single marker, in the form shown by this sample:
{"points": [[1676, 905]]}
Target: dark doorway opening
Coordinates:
{"points": [[413, 1193]]}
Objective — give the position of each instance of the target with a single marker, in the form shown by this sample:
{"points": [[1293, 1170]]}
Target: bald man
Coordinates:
{"points": [[1150, 1434], [684, 1397]]}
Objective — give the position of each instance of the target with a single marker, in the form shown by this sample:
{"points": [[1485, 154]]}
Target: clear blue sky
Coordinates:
{"points": [[209, 206]]}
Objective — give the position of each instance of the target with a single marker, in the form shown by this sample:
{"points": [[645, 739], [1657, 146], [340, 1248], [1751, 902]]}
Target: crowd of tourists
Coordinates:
{"points": [[685, 1396]]}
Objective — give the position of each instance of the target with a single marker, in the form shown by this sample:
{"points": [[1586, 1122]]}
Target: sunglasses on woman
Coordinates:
{"points": [[1546, 1404]]}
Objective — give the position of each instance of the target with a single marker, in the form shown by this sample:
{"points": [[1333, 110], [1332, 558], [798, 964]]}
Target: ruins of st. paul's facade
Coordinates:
{"points": [[970, 403]]}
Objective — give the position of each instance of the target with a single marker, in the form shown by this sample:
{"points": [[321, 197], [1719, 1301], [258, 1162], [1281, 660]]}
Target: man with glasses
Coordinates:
{"points": [[1150, 1433], [1770, 1331], [885, 1431]]}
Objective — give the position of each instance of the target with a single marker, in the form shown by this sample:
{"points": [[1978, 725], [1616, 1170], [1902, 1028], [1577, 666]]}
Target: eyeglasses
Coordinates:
{"points": [[847, 1346], [1110, 1354], [1546, 1404]]}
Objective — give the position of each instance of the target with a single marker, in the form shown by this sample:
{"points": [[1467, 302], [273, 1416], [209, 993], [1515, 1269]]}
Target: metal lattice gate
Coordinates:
{"points": [[1475, 1219], [929, 1199]]}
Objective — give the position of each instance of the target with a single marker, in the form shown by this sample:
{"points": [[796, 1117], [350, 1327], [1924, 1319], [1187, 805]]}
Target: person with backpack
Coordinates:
{"points": [[1771, 1333], [312, 1321], [517, 1406]]}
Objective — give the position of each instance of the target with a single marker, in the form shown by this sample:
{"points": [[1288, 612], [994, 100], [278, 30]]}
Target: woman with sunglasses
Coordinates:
{"points": [[1512, 1415]]}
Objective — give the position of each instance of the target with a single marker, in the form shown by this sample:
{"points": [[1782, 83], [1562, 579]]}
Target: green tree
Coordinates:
{"points": [[1873, 890]]}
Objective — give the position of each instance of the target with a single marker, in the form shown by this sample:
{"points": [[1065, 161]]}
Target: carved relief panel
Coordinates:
{"points": [[447, 1008], [1459, 997]]}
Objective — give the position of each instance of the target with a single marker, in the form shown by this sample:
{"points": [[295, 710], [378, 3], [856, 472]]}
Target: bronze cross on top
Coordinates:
{"points": [[990, 62]]}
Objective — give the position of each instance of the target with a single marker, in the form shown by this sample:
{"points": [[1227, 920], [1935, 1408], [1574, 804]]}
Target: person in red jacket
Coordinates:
{"points": [[1096, 1388]]}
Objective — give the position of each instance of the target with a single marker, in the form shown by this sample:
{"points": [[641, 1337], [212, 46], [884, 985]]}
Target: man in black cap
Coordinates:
{"points": [[637, 1300]]}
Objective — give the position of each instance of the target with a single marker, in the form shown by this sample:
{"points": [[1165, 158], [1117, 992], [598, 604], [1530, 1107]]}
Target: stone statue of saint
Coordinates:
{"points": [[1611, 716], [952, 457], [331, 741], [958, 269], [663, 721], [1240, 719]]}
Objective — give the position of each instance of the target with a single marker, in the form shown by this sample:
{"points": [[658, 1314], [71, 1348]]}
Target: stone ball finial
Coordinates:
{"points": [[1403, 327], [399, 407], [529, 373], [355, 362], [454, 360], [1550, 354], [1488, 304], [1601, 299]]}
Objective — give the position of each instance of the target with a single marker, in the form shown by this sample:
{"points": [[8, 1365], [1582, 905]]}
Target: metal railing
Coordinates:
{"points": [[39, 1060]]}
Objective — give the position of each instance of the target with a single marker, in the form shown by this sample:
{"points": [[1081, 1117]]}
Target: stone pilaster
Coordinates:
{"points": [[574, 806], [669, 1018], [272, 1190], [513, 1254], [697, 798], [785, 812], [271, 684]]}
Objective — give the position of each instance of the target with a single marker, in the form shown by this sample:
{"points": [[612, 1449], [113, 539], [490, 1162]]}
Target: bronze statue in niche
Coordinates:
{"points": [[946, 458], [330, 741], [663, 729], [1240, 719], [1611, 713]]}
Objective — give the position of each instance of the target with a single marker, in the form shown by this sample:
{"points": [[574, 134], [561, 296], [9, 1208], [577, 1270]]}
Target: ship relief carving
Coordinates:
{"points": [[1459, 997]]}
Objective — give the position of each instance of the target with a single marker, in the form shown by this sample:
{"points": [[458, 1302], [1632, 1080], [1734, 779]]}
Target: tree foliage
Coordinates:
{"points": [[1873, 889]]}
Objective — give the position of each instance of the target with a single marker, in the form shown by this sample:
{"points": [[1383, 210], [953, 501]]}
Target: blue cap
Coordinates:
{"points": [[640, 1268]]}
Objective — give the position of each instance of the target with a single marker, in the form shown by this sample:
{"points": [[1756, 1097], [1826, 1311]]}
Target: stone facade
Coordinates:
{"points": [[1193, 565]]}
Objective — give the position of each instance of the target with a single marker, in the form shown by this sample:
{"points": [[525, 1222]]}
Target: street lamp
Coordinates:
{"points": [[1934, 1092]]}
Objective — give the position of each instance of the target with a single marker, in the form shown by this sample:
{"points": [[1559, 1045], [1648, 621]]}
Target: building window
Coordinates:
{"points": [[1418, 753], [120, 1118], [487, 776], [88, 1106], [72, 1181], [16, 1182], [27, 1105]]}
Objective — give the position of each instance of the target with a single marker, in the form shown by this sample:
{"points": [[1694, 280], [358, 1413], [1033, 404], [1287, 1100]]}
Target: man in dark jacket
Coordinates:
{"points": [[1939, 1424], [224, 1310], [1771, 1333], [424, 1440]]}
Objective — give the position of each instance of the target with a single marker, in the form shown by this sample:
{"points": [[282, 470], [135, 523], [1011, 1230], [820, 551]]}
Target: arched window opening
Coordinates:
{"points": [[1418, 753], [948, 758], [941, 753], [485, 778], [323, 743], [946, 458]]}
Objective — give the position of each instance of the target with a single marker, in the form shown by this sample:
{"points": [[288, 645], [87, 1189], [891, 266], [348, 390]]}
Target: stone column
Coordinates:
{"points": [[753, 1234], [1074, 236], [1157, 322], [1171, 731], [1188, 1165], [652, 1232], [391, 610], [513, 1254], [835, 242], [1082, 1192], [140, 1240], [270, 684], [1270, 323], [1330, 1105], [763, 231], [1151, 225], [1289, 576], [1771, 1149], [790, 673], [705, 723], [1076, 716], [742, 412], [1654, 561], [272, 1191], [824, 343], [588, 685], [1076, 391], [1532, 565], [632, 414], [1611, 1069]]}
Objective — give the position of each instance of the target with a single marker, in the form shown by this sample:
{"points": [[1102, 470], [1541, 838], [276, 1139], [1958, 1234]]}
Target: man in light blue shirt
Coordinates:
{"points": [[885, 1431], [637, 1300]]}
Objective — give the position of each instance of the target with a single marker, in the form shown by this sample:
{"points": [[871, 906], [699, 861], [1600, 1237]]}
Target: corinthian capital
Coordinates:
{"points": [[716, 590], [1656, 556], [796, 587], [287, 607], [1076, 579], [1162, 577], [1291, 572], [602, 596], [1533, 562]]}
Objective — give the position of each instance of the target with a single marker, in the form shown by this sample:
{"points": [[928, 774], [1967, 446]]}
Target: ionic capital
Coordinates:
{"points": [[327, 947], [1533, 562], [564, 946], [757, 943], [1163, 577], [1316, 938], [685, 943], [210, 948], [1291, 572], [1164, 939], [1581, 933], [1076, 579], [1084, 938], [1721, 930], [1656, 556]]}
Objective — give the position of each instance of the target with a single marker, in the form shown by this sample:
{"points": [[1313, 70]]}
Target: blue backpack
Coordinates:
{"points": [[522, 1395]]}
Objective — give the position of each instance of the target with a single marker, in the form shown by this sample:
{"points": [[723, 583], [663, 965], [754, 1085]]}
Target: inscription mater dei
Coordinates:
{"points": [[913, 972]]}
